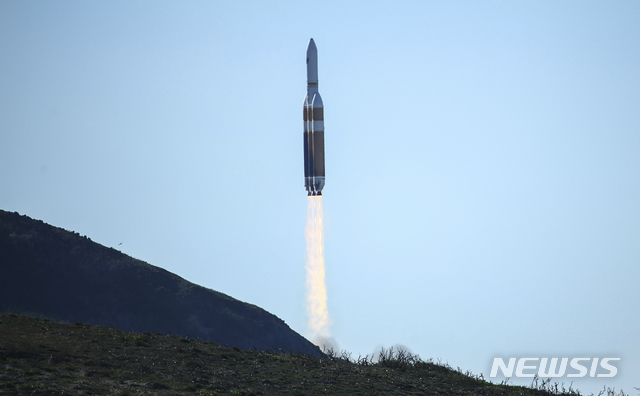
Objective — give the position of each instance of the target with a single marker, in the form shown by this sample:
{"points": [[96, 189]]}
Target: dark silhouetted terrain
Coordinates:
{"points": [[41, 357], [49, 272]]}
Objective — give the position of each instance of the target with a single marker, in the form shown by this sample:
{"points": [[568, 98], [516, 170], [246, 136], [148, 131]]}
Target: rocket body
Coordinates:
{"points": [[313, 136]]}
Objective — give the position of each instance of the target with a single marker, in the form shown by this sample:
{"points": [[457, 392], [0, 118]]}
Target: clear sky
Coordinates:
{"points": [[483, 167]]}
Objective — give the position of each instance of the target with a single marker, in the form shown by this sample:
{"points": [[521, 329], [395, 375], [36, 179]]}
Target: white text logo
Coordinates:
{"points": [[549, 367]]}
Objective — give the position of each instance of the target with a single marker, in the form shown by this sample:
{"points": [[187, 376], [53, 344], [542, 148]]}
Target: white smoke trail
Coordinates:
{"points": [[319, 321]]}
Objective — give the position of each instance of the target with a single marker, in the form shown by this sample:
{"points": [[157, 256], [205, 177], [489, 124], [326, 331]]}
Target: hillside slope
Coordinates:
{"points": [[41, 357], [50, 272]]}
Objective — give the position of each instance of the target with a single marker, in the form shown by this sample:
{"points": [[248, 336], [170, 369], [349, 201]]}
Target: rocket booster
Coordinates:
{"points": [[313, 116]]}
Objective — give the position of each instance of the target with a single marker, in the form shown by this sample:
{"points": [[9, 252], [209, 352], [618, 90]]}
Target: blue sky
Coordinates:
{"points": [[483, 176]]}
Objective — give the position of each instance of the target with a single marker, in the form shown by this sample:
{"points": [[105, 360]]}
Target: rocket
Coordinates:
{"points": [[313, 116]]}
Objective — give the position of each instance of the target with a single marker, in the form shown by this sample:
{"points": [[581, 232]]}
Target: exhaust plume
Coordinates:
{"points": [[317, 312]]}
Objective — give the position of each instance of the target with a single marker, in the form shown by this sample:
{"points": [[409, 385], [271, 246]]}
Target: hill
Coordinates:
{"points": [[42, 357], [54, 273]]}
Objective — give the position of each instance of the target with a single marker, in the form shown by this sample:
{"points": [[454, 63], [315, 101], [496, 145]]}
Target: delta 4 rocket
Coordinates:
{"points": [[313, 116]]}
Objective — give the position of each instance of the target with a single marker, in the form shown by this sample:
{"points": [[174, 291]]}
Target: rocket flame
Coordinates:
{"points": [[319, 321]]}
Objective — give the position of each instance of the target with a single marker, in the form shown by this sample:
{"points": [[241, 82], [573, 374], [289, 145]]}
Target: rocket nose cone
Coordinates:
{"points": [[312, 63], [311, 46]]}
